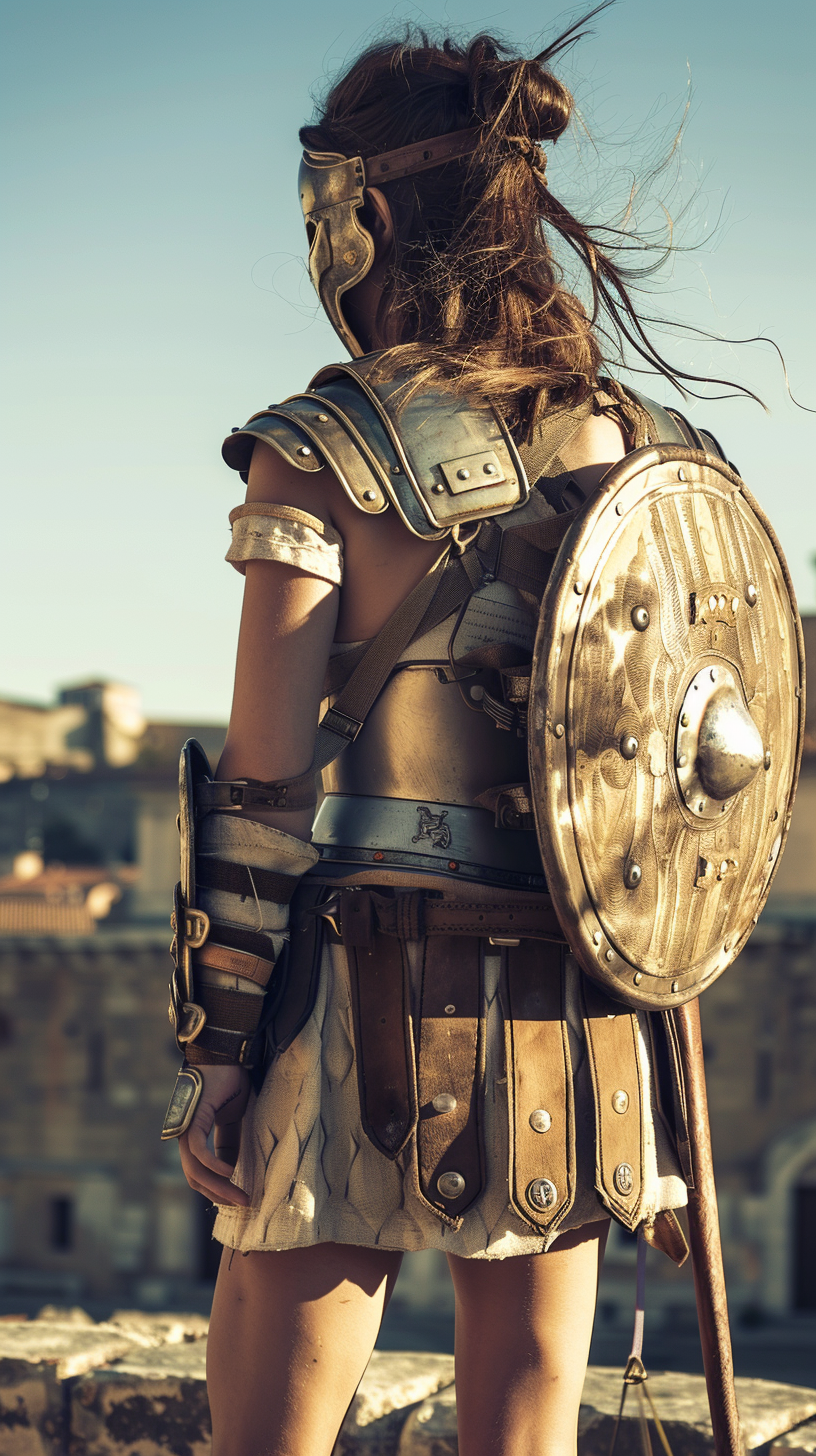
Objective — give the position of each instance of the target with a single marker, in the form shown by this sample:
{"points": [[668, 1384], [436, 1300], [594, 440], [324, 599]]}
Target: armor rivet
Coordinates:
{"points": [[540, 1120], [714, 674], [453, 864], [633, 875], [629, 745], [751, 594], [512, 480], [597, 937], [369, 495], [451, 1185], [675, 987], [350, 257], [640, 618], [463, 474], [378, 854], [684, 721], [542, 1194], [449, 1010], [610, 955], [558, 730], [624, 1179], [682, 760], [620, 508], [323, 419], [638, 977], [444, 1102], [620, 1101], [767, 758], [438, 489], [489, 468], [303, 450], [579, 588], [395, 470], [476, 693]]}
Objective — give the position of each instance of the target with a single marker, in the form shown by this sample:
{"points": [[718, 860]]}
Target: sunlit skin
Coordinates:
{"points": [[292, 1331]]}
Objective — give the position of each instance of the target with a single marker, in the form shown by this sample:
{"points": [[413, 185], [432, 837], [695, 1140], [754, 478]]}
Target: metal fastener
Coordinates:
{"points": [[449, 1010], [540, 1120], [632, 875], [323, 419], [597, 937], [619, 508], [369, 495], [579, 587], [684, 720], [303, 450], [395, 470], [620, 1101], [751, 594], [638, 977], [675, 987], [682, 760], [542, 1194], [558, 730], [463, 473], [767, 758], [489, 468], [624, 1179], [444, 1102], [610, 955], [681, 474], [438, 489], [450, 1185], [640, 618]]}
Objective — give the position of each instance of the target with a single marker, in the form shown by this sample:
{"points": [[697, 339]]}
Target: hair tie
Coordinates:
{"points": [[532, 154]]}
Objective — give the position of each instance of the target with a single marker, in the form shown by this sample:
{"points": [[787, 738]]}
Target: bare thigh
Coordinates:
{"points": [[290, 1337], [523, 1330]]}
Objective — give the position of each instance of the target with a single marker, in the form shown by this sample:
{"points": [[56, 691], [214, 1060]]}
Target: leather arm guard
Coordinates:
{"points": [[229, 921]]}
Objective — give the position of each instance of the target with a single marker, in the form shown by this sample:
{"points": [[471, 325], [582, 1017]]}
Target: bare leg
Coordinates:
{"points": [[290, 1336], [523, 1330]]}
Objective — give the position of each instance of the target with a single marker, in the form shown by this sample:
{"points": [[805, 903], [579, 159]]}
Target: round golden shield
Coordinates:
{"points": [[666, 724]]}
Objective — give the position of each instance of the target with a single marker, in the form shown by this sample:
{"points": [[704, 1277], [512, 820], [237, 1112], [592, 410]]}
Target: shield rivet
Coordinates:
{"points": [[542, 1194], [681, 474], [489, 468], [558, 730], [395, 470], [438, 489], [624, 1179], [451, 1185], [323, 419], [751, 594], [579, 588], [620, 508], [682, 760], [610, 955], [444, 1102], [463, 474], [767, 758], [633, 875], [638, 977], [640, 618], [597, 937], [685, 720], [629, 745], [540, 1120], [369, 495], [303, 450], [620, 1101], [675, 987]]}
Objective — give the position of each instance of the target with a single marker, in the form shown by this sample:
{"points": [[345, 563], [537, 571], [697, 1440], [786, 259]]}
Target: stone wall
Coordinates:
{"points": [[135, 1386]]}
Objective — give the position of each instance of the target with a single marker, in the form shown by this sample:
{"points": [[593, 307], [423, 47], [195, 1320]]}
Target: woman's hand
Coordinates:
{"points": [[223, 1103]]}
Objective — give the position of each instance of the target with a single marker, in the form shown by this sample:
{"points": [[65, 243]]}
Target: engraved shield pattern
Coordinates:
{"points": [[667, 707]]}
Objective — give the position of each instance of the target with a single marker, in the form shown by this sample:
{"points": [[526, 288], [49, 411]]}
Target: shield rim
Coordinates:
{"points": [[548, 752]]}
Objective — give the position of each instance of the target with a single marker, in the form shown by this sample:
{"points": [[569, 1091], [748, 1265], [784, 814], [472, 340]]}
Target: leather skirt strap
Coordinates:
{"points": [[449, 1075], [612, 1048], [540, 1085]]}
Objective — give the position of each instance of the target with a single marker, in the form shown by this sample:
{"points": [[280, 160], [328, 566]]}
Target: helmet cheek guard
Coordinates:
{"points": [[341, 251], [332, 191]]}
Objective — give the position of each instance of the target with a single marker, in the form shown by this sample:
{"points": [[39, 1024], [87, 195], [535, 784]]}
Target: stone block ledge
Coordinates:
{"points": [[135, 1386]]}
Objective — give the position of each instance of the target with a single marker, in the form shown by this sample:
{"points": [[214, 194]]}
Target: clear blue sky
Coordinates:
{"points": [[154, 293]]}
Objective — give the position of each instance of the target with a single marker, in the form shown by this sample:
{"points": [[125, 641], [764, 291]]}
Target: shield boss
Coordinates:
{"points": [[666, 723]]}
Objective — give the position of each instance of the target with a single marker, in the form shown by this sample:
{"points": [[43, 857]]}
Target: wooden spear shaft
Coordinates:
{"points": [[706, 1249]]}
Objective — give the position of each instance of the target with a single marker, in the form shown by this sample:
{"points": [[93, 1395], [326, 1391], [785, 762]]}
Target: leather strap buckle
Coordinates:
{"points": [[196, 927]]}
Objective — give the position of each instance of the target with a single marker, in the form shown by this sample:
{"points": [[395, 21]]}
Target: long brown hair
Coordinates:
{"points": [[474, 295]]}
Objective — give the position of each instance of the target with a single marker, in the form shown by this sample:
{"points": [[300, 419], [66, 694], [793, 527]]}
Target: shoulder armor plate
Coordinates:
{"points": [[441, 460]]}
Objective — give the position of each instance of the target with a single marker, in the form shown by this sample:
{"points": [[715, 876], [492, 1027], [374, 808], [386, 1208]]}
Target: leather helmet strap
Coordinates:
{"points": [[419, 156]]}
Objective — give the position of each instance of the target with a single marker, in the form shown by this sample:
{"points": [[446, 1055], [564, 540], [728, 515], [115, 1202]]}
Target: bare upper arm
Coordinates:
{"points": [[598, 444]]}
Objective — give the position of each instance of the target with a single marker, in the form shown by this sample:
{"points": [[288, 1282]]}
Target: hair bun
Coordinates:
{"points": [[516, 97]]}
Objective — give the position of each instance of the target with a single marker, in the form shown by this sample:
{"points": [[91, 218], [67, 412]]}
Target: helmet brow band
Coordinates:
{"points": [[390, 166]]}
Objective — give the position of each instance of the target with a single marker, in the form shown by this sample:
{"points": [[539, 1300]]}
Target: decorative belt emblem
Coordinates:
{"points": [[433, 827]]}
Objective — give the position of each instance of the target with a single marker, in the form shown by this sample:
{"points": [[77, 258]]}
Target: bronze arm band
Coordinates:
{"points": [[235, 962]]}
